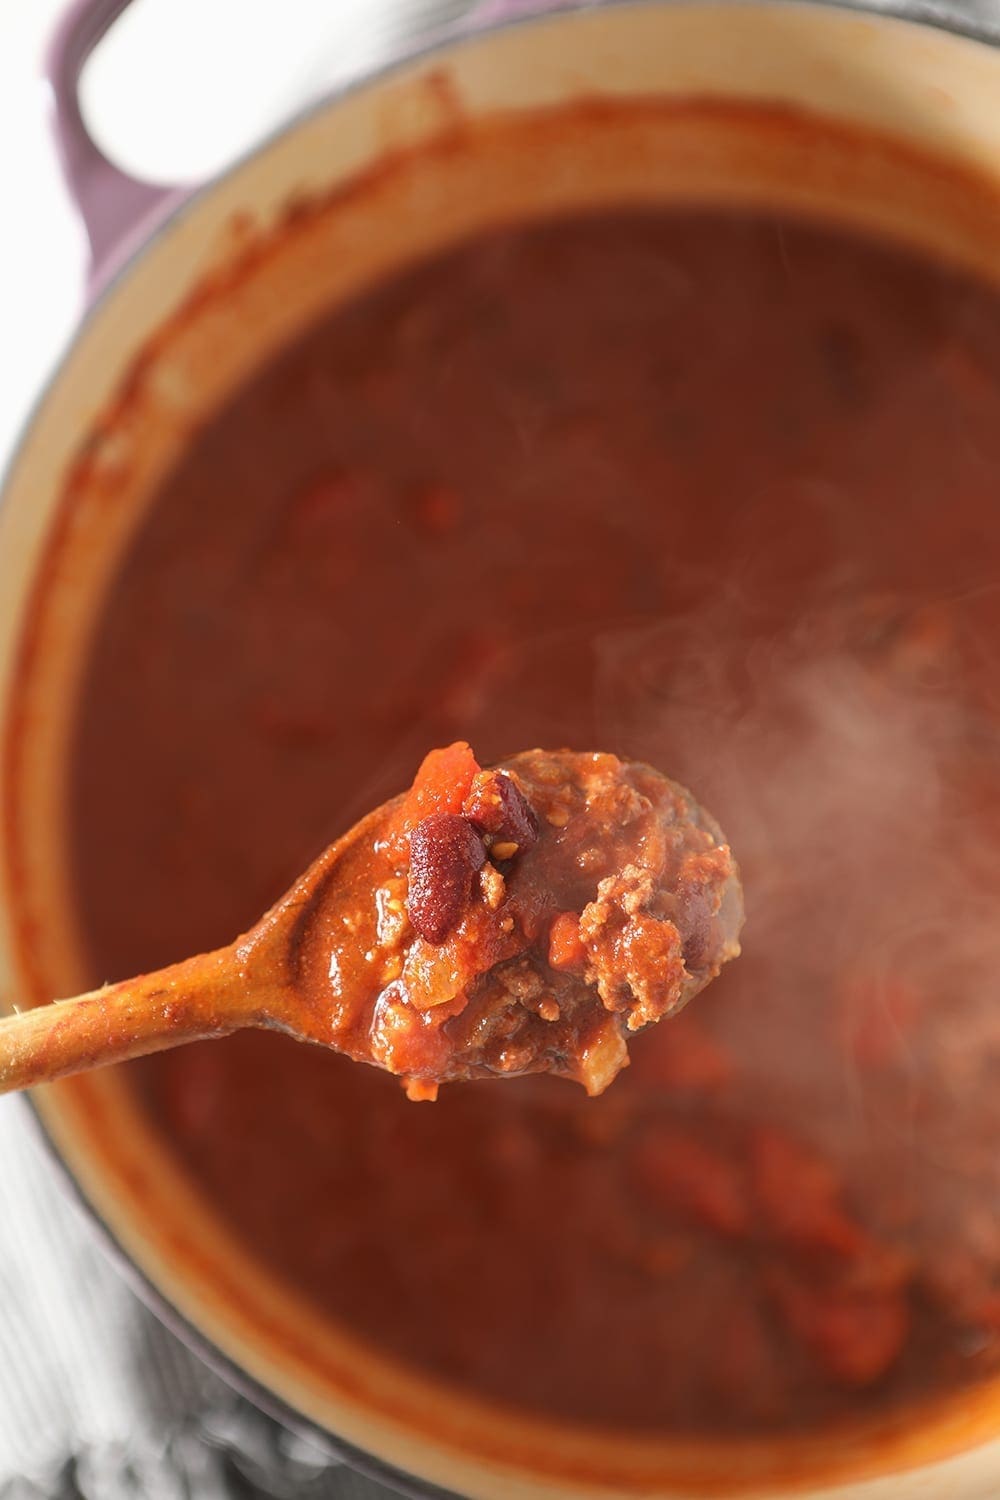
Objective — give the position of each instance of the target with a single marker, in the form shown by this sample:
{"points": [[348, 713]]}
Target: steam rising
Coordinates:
{"points": [[851, 756]]}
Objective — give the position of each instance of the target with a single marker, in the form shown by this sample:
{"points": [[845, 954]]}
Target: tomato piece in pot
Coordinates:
{"points": [[679, 1174], [855, 1335], [798, 1195]]}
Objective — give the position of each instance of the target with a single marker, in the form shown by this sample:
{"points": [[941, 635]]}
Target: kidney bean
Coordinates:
{"points": [[445, 855], [498, 807]]}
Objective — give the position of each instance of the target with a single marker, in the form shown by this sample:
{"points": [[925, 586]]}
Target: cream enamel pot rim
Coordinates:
{"points": [[923, 84]]}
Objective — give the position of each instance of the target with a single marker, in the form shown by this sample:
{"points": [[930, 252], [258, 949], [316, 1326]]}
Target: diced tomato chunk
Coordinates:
{"points": [[799, 1195], [683, 1175], [874, 1018], [566, 950], [441, 785]]}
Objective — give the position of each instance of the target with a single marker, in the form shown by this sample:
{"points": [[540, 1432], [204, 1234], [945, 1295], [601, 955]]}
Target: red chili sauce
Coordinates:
{"points": [[717, 493]]}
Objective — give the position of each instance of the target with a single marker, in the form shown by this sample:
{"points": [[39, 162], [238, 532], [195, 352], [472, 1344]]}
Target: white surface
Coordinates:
{"points": [[41, 249], [177, 89]]}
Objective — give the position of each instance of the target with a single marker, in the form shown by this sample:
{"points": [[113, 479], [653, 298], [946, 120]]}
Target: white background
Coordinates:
{"points": [[40, 247], [177, 89]]}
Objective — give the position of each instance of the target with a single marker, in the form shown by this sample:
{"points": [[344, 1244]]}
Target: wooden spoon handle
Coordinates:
{"points": [[186, 1002]]}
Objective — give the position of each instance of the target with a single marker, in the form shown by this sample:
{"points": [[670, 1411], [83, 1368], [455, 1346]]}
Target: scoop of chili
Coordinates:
{"points": [[528, 918], [488, 923]]}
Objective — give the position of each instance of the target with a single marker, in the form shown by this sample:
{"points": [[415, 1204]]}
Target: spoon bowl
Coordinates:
{"points": [[487, 923]]}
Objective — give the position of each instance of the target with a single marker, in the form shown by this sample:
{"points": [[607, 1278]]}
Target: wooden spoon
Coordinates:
{"points": [[487, 923]]}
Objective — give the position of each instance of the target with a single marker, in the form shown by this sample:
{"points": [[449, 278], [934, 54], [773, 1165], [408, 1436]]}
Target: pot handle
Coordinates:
{"points": [[113, 205]]}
